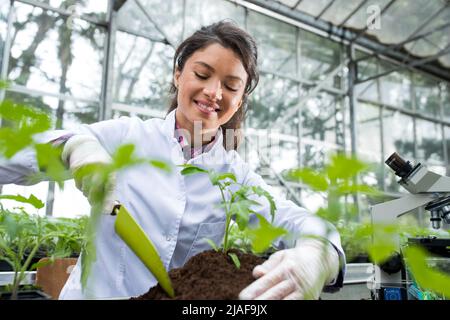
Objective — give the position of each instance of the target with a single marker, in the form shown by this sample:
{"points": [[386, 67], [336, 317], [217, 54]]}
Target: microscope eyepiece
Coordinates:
{"points": [[401, 167]]}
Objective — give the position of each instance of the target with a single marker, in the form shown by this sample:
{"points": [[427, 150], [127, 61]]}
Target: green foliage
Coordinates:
{"points": [[426, 277], [50, 164], [212, 244], [35, 202], [238, 203], [4, 84], [99, 177], [23, 236], [235, 259], [20, 123], [262, 237], [337, 181]]}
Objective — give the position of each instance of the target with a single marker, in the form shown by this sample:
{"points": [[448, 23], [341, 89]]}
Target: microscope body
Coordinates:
{"points": [[427, 189]]}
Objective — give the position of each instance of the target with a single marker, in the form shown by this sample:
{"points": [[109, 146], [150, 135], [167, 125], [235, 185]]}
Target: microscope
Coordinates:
{"points": [[428, 190]]}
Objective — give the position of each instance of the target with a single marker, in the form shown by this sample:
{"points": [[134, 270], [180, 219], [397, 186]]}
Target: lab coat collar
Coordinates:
{"points": [[169, 130]]}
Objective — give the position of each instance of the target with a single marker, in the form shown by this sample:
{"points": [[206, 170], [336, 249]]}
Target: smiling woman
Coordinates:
{"points": [[214, 72], [215, 69]]}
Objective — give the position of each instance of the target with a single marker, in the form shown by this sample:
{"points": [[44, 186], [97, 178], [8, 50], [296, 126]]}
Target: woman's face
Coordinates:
{"points": [[210, 87]]}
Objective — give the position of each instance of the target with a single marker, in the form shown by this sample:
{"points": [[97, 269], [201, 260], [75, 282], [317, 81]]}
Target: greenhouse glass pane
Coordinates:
{"points": [[321, 118], [289, 3], [445, 60], [368, 132], [440, 20], [143, 72], [313, 8], [319, 57], [276, 43], [284, 156], [427, 96], [312, 200], [374, 176], [315, 155], [74, 112], [435, 41], [367, 91], [447, 146], [446, 101], [422, 48], [396, 90], [51, 56], [95, 8], [391, 31], [339, 10], [429, 142], [272, 97], [39, 190], [4, 10], [398, 134], [132, 18], [364, 15], [202, 13], [368, 67], [70, 202], [168, 15]]}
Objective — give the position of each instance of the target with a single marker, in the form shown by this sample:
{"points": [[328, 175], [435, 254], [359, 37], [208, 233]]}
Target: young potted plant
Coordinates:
{"points": [[61, 254], [23, 236], [226, 269]]}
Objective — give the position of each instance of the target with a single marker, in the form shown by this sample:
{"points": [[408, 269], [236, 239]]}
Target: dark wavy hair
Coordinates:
{"points": [[228, 35]]}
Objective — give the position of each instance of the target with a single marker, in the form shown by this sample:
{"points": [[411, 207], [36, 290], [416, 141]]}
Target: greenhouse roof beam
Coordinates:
{"points": [[415, 63], [411, 39], [347, 36], [414, 36]]}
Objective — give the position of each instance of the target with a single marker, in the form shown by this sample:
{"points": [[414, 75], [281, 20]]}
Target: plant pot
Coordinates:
{"points": [[360, 258], [52, 277], [208, 275], [26, 295]]}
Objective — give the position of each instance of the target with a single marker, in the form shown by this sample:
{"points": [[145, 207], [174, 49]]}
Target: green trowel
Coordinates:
{"points": [[134, 236]]}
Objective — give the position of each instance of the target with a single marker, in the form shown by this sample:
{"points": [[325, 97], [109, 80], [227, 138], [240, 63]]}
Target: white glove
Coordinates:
{"points": [[294, 274], [82, 150]]}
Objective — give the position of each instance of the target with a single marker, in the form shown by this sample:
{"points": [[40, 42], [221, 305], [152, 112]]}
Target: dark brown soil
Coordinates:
{"points": [[208, 275]]}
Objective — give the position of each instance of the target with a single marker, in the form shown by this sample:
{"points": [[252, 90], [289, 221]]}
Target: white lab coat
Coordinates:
{"points": [[177, 212]]}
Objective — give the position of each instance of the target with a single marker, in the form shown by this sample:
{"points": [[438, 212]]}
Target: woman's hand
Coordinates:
{"points": [[81, 151], [295, 274]]}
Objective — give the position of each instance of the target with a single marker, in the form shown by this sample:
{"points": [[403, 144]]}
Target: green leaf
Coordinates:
{"points": [[241, 210], [425, 276], [35, 202], [4, 84], [315, 180], [190, 169], [49, 161], [123, 157], [235, 259], [212, 244], [386, 242], [218, 177], [20, 124], [344, 167], [356, 188], [261, 192], [161, 165], [263, 236]]}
